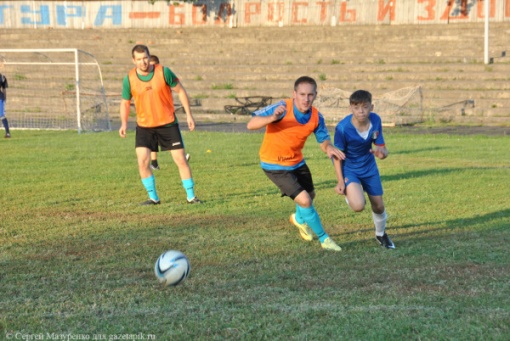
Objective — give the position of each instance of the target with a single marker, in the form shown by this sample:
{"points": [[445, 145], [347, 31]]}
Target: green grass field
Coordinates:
{"points": [[77, 252]]}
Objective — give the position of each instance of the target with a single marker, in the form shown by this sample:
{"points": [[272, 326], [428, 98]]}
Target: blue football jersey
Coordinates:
{"points": [[356, 148]]}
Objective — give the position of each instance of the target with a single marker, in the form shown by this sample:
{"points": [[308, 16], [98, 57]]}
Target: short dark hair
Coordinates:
{"points": [[154, 59], [140, 49], [360, 96], [305, 79]]}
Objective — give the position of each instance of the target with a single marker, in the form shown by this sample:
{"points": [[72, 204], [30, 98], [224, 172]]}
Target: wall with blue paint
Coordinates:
{"points": [[240, 13]]}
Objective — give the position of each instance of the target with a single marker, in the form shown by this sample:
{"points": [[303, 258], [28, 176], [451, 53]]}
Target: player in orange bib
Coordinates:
{"points": [[154, 155], [151, 88], [288, 124]]}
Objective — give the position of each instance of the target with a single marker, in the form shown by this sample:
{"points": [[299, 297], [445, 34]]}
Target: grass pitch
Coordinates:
{"points": [[77, 252]]}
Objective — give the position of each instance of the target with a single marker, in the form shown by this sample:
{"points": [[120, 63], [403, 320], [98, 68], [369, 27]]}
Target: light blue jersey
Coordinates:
{"points": [[321, 132]]}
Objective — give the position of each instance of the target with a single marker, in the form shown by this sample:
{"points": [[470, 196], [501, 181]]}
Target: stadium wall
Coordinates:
{"points": [[241, 13]]}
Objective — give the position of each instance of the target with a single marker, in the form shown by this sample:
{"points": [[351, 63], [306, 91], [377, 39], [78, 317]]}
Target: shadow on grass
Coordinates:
{"points": [[330, 184], [414, 151], [421, 174], [464, 223], [494, 221]]}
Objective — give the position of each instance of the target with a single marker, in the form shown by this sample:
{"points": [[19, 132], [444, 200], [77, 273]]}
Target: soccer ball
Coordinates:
{"points": [[172, 267]]}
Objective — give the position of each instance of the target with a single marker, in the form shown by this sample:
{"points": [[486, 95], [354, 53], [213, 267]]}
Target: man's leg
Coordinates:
{"points": [[5, 122], [148, 180], [312, 219], [310, 216], [179, 157], [154, 160]]}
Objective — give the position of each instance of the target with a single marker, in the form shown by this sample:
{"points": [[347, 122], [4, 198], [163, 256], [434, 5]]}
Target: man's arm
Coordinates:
{"points": [[340, 186], [125, 106], [379, 148], [331, 151], [324, 139], [184, 99], [336, 155], [257, 122], [3, 86], [379, 151]]}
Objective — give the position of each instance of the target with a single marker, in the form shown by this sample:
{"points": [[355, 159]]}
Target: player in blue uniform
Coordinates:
{"points": [[359, 136], [3, 98]]}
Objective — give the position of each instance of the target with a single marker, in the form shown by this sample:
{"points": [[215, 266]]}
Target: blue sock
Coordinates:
{"points": [[188, 185], [312, 219], [299, 216], [150, 185]]}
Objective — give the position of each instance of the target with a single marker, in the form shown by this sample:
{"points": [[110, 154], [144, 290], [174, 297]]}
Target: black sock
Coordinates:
{"points": [[6, 125], [154, 163]]}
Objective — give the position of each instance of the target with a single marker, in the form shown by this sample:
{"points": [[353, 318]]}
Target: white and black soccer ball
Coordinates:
{"points": [[172, 267]]}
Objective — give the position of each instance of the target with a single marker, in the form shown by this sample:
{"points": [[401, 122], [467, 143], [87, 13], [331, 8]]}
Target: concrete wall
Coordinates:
{"points": [[242, 13]]}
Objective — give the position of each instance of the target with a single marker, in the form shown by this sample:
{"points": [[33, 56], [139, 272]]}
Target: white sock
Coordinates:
{"points": [[380, 223]]}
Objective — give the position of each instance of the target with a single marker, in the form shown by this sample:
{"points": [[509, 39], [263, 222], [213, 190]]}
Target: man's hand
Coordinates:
{"points": [[379, 151], [340, 188], [257, 122], [125, 106], [332, 151], [278, 112], [191, 122], [122, 131]]}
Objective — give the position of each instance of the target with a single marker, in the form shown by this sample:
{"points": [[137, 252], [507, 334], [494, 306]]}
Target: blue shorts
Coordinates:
{"points": [[370, 182]]}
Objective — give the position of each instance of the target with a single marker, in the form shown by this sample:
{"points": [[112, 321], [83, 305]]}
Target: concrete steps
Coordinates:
{"points": [[218, 64]]}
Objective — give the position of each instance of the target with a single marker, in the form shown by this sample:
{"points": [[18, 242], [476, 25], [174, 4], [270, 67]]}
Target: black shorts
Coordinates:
{"points": [[291, 183], [167, 137]]}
